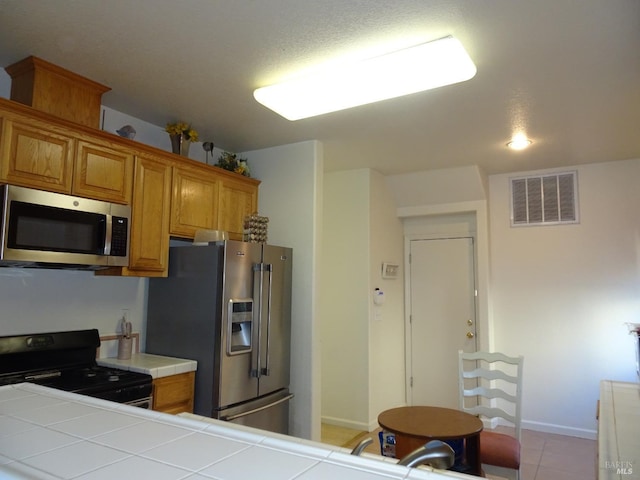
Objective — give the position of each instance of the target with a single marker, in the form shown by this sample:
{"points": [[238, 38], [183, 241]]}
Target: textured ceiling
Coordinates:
{"points": [[566, 72]]}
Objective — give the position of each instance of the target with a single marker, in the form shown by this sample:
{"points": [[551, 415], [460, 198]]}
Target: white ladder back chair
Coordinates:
{"points": [[490, 386]]}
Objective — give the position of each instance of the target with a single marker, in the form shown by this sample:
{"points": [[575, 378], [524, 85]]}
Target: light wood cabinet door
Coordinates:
{"points": [[174, 394], [103, 172], [149, 244], [237, 200], [194, 201], [32, 155]]}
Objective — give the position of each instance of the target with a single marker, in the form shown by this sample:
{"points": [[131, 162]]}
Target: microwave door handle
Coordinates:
{"points": [[265, 370], [107, 234]]}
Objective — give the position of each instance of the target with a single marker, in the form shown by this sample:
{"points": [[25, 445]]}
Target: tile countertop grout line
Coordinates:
{"points": [[257, 442], [193, 427], [325, 460], [352, 462], [305, 471], [196, 471]]}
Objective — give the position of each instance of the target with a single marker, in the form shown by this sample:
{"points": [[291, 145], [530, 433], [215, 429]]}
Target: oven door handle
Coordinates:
{"points": [[148, 401]]}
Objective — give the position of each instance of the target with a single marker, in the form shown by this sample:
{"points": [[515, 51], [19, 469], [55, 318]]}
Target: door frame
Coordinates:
{"points": [[426, 213]]}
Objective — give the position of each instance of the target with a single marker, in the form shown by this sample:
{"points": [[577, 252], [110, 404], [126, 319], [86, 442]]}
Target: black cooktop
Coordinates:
{"points": [[66, 361], [86, 379]]}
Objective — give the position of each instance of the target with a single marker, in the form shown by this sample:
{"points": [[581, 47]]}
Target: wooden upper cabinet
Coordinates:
{"points": [[38, 154], [194, 201], [52, 89], [237, 199], [149, 230], [149, 244], [169, 195], [103, 172], [32, 154]]}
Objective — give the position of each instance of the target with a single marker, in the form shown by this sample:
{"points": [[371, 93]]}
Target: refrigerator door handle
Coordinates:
{"points": [[229, 418], [266, 370], [256, 369]]}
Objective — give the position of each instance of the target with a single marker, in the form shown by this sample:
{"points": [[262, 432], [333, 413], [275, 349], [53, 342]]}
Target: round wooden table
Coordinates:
{"points": [[415, 426]]}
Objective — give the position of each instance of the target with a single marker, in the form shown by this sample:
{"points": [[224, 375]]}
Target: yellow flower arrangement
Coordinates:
{"points": [[230, 161], [184, 129]]}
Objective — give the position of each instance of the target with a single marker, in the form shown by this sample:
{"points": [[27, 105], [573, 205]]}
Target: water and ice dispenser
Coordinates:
{"points": [[240, 318]]}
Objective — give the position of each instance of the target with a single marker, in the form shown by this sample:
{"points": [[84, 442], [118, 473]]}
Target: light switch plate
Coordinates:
{"points": [[390, 270]]}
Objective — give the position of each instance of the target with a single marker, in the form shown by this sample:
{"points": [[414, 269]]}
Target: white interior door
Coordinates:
{"points": [[442, 317]]}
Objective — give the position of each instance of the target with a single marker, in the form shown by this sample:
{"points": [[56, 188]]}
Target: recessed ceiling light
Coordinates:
{"points": [[422, 67], [519, 143]]}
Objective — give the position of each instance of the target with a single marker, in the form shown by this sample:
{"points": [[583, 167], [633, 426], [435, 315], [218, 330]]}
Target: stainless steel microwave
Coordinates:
{"points": [[51, 230]]}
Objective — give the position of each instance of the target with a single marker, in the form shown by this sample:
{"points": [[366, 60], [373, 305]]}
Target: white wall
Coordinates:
{"points": [[435, 187], [451, 201], [362, 344], [562, 295], [290, 195], [36, 301], [46, 300], [558, 295], [146, 133], [5, 84], [52, 300], [386, 322], [345, 299], [153, 135]]}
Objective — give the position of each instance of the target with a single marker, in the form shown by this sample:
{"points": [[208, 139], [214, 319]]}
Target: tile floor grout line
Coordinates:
{"points": [[529, 471], [535, 475]]}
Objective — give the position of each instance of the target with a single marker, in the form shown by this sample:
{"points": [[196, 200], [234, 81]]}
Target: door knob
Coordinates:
{"points": [[470, 335]]}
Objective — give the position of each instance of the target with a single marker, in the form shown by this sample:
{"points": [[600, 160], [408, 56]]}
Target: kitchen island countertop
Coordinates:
{"points": [[618, 427], [157, 366], [50, 434]]}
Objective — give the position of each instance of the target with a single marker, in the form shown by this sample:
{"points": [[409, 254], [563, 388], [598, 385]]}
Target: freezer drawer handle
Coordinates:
{"points": [[229, 418]]}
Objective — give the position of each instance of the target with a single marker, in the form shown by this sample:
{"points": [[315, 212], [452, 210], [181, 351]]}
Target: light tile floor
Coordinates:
{"points": [[544, 456]]}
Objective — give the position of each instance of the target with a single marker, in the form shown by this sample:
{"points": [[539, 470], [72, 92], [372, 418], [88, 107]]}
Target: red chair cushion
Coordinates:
{"points": [[499, 449]]}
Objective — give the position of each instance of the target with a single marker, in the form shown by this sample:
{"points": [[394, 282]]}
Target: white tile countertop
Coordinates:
{"points": [[49, 434], [155, 365], [619, 430]]}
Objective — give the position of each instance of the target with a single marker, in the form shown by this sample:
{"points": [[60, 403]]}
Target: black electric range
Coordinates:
{"points": [[67, 361]]}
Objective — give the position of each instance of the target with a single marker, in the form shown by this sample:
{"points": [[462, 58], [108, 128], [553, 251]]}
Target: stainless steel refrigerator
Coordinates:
{"points": [[228, 306]]}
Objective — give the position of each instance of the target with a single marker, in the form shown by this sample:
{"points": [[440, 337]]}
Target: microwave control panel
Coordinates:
{"points": [[119, 228]]}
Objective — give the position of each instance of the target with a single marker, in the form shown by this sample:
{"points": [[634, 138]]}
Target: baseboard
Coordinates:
{"points": [[560, 430], [341, 422], [545, 427], [527, 425]]}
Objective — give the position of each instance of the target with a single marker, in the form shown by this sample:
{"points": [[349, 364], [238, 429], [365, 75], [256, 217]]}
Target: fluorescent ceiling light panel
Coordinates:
{"points": [[415, 69]]}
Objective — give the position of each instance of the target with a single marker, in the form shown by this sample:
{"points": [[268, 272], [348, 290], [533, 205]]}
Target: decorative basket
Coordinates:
{"points": [[255, 228]]}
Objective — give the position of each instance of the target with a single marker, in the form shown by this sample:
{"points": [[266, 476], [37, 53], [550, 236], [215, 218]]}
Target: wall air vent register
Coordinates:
{"points": [[544, 199]]}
